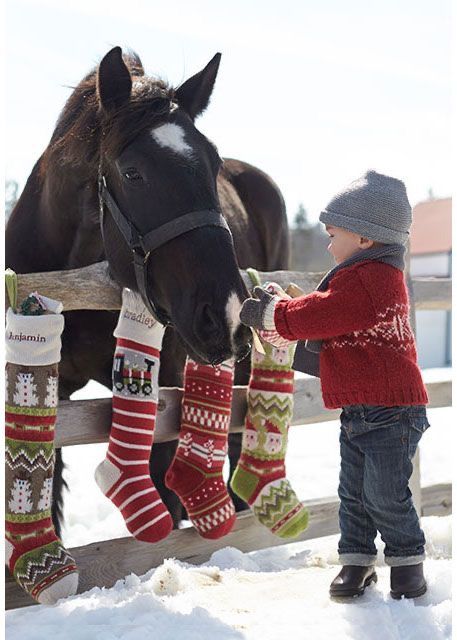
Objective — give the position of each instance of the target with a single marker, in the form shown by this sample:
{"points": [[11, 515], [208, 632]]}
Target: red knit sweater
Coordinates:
{"points": [[368, 354]]}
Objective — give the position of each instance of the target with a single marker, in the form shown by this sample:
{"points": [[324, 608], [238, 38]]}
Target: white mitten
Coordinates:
{"points": [[271, 335]]}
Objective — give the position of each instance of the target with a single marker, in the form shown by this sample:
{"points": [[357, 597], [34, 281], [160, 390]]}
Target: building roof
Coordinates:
{"points": [[431, 230]]}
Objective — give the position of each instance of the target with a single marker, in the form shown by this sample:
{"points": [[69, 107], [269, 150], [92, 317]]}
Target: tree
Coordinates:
{"points": [[11, 189], [301, 218], [25, 395]]}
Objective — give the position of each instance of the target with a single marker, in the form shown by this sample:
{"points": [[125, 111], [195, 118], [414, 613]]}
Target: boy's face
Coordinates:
{"points": [[344, 243]]}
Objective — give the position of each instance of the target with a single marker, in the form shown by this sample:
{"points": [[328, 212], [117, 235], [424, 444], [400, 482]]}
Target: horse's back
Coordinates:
{"points": [[261, 233]]}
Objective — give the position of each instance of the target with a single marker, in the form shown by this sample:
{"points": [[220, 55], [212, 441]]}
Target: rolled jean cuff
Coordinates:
{"points": [[403, 561], [357, 559]]}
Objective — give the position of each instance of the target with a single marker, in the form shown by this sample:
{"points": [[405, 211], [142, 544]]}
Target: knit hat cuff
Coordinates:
{"points": [[366, 229], [136, 323], [33, 340]]}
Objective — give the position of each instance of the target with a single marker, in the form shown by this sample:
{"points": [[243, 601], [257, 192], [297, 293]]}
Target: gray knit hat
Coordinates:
{"points": [[376, 206]]}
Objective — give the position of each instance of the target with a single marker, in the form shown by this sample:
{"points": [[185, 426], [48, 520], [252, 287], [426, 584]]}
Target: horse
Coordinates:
{"points": [[125, 164]]}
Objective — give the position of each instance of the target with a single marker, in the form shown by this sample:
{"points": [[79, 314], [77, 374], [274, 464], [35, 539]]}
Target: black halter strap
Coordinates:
{"points": [[142, 245]]}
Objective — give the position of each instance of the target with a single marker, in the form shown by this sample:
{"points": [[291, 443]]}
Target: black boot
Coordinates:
{"points": [[352, 580], [407, 581]]}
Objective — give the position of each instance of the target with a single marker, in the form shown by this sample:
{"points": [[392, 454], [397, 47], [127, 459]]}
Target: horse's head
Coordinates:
{"points": [[158, 168]]}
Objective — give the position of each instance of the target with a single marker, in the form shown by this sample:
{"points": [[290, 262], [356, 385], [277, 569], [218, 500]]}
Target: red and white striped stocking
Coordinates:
{"points": [[124, 475]]}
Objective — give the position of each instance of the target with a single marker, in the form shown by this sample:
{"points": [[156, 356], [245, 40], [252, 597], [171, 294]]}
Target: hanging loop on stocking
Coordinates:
{"points": [[11, 288]]}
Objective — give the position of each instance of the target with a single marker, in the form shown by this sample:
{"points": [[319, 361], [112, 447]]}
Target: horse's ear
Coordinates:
{"points": [[114, 82], [193, 96]]}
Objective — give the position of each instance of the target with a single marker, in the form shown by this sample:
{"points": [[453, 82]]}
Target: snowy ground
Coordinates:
{"points": [[269, 594]]}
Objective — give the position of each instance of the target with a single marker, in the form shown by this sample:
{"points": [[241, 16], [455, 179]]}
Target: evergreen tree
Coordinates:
{"points": [[25, 395], [11, 189], [301, 218]]}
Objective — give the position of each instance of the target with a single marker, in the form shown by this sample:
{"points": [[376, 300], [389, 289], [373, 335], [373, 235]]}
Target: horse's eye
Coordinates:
{"points": [[132, 174]]}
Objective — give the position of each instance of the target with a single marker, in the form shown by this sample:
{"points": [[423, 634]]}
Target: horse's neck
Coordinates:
{"points": [[55, 223]]}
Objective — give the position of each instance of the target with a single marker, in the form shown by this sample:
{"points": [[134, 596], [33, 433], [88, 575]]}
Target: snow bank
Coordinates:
{"points": [[269, 594]]}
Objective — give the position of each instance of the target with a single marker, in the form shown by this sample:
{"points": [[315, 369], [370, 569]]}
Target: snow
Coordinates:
{"points": [[269, 594]]}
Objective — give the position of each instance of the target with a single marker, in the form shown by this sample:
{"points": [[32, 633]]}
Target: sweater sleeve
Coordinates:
{"points": [[344, 307]]}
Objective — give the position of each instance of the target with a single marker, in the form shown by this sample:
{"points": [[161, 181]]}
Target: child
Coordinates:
{"points": [[357, 322]]}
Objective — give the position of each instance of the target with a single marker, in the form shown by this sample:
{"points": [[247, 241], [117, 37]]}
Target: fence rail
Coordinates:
{"points": [[102, 563], [92, 288], [93, 417]]}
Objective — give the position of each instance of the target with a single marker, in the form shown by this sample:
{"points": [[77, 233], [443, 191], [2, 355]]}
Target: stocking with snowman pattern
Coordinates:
{"points": [[260, 476]]}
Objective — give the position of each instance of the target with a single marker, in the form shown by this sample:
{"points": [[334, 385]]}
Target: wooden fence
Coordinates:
{"points": [[103, 563]]}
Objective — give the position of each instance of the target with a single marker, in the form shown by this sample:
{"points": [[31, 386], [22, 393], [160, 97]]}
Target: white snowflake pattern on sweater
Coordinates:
{"points": [[392, 329]]}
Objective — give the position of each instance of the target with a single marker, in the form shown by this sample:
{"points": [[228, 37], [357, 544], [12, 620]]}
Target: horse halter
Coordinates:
{"points": [[143, 245]]}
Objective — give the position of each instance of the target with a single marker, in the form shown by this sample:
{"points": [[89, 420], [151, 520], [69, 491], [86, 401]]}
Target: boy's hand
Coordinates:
{"points": [[272, 336], [259, 312]]}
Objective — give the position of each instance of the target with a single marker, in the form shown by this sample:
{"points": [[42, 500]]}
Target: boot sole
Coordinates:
{"points": [[397, 595], [351, 593]]}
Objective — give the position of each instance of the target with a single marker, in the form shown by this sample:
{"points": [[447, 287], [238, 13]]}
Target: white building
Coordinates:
{"points": [[431, 255]]}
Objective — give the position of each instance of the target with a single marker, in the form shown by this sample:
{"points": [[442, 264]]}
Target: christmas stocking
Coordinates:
{"points": [[260, 476], [124, 475], [195, 474], [35, 555]]}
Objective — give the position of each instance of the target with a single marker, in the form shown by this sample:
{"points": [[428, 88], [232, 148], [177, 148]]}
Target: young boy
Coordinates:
{"points": [[357, 322]]}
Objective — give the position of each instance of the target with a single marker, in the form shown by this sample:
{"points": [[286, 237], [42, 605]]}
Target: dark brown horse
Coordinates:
{"points": [[139, 135]]}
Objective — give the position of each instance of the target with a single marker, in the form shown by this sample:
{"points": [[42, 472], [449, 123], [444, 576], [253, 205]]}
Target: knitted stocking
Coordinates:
{"points": [[259, 477], [35, 555], [124, 475], [196, 471]]}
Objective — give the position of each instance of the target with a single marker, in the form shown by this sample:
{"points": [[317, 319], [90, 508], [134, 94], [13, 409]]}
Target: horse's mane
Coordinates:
{"points": [[83, 128]]}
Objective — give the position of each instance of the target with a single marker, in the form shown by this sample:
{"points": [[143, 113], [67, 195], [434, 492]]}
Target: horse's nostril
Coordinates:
{"points": [[208, 320]]}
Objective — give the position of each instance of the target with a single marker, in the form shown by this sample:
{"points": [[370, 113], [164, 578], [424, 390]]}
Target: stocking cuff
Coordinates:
{"points": [[269, 315], [136, 323], [33, 340]]}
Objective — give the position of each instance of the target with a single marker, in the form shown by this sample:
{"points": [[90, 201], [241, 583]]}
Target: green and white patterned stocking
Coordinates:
{"points": [[260, 476]]}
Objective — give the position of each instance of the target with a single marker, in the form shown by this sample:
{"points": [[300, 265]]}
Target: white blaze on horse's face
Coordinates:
{"points": [[171, 135], [232, 312]]}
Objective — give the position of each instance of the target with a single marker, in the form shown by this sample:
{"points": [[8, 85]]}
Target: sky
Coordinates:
{"points": [[314, 92]]}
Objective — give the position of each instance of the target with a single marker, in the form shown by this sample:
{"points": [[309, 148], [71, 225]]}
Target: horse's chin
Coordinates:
{"points": [[214, 356], [209, 357]]}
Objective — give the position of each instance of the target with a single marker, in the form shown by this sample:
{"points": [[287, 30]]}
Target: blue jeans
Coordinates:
{"points": [[377, 445]]}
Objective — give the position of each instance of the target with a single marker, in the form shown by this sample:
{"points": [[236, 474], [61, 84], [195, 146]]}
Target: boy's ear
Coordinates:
{"points": [[366, 243]]}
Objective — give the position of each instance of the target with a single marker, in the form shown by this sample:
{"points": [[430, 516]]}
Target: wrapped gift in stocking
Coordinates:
{"points": [[35, 555]]}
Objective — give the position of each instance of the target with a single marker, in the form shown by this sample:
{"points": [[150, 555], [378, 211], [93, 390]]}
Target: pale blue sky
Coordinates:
{"points": [[312, 91]]}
